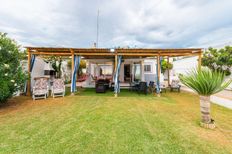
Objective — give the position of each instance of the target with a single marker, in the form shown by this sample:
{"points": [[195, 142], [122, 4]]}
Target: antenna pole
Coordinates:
{"points": [[97, 27]]}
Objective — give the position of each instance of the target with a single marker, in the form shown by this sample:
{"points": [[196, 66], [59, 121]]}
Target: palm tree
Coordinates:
{"points": [[205, 82]]}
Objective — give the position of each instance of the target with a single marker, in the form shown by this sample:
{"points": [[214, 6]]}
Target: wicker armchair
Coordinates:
{"points": [[58, 88], [40, 88]]}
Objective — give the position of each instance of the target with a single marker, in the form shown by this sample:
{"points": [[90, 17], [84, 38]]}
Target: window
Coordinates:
{"points": [[147, 68]]}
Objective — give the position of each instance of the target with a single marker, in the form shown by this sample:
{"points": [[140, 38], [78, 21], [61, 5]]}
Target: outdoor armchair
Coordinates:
{"points": [[151, 87], [163, 86], [175, 85], [142, 88], [40, 88], [58, 88]]}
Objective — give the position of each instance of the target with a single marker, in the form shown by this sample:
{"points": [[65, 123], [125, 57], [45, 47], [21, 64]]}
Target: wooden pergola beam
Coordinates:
{"points": [[51, 53], [112, 54], [107, 50]]}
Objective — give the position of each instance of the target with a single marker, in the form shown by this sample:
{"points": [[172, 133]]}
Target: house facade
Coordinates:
{"points": [[131, 70]]}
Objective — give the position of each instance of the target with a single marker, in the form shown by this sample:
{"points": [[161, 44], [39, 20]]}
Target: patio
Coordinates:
{"points": [[131, 123]]}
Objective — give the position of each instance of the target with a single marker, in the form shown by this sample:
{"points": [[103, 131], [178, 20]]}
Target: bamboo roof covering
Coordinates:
{"points": [[93, 53]]}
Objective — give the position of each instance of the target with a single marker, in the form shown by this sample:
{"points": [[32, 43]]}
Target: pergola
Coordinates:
{"points": [[109, 53]]}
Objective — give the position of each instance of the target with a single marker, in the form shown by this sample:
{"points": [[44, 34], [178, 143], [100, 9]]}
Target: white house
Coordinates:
{"points": [[131, 70]]}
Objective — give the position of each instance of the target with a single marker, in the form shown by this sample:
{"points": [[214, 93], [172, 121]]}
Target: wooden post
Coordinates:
{"points": [[72, 53], [29, 72], [115, 69], [199, 61], [142, 70], [168, 73], [115, 62]]}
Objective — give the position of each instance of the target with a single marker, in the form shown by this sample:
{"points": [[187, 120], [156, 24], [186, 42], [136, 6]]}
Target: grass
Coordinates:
{"points": [[100, 123]]}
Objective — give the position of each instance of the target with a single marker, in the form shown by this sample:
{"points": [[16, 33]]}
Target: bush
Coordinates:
{"points": [[218, 59], [12, 77]]}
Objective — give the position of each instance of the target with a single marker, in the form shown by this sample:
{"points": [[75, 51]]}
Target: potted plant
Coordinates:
{"points": [[166, 66]]}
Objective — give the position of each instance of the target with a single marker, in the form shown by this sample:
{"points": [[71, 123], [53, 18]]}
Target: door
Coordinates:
{"points": [[127, 74]]}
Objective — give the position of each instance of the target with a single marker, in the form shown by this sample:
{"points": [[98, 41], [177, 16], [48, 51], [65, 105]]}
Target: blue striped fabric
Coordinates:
{"points": [[32, 62], [77, 60], [157, 79], [116, 77]]}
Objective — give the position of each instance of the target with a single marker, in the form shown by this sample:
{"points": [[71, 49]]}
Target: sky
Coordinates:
{"points": [[122, 23]]}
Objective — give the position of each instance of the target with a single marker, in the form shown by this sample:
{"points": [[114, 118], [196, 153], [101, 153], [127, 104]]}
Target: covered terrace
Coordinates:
{"points": [[109, 53]]}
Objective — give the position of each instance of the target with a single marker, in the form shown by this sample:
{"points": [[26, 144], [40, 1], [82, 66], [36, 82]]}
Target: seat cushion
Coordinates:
{"points": [[40, 92], [58, 90]]}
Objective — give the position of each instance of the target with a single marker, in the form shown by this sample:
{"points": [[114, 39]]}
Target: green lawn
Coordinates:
{"points": [[100, 123]]}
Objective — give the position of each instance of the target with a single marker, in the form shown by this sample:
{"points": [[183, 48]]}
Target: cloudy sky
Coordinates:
{"points": [[140, 23]]}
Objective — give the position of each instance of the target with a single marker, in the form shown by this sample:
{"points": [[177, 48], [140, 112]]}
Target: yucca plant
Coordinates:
{"points": [[205, 82]]}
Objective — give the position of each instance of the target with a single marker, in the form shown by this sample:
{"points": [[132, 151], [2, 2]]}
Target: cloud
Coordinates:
{"points": [[147, 23]]}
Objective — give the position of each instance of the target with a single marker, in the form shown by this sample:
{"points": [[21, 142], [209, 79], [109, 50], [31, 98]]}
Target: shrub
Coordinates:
{"points": [[12, 77], [218, 59]]}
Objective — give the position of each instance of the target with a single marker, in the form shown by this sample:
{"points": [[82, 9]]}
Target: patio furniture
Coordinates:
{"points": [[102, 85], [82, 78], [133, 86], [58, 88], [100, 88], [163, 87], [175, 85], [40, 88], [142, 88], [151, 87]]}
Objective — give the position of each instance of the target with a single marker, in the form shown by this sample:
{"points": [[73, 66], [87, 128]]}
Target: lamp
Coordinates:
{"points": [[112, 50]]}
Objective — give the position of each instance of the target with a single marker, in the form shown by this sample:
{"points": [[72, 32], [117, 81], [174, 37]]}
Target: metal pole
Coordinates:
{"points": [[97, 28]]}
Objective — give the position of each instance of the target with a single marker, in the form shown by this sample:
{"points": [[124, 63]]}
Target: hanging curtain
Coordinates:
{"points": [[77, 60], [116, 76], [32, 60], [157, 78]]}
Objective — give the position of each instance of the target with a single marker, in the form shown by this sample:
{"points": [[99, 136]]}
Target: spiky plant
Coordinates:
{"points": [[205, 82]]}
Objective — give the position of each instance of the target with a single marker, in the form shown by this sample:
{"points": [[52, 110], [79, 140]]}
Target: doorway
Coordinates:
{"points": [[127, 74]]}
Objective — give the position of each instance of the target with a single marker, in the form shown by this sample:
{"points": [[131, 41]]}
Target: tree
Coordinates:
{"points": [[220, 60], [12, 77], [205, 82]]}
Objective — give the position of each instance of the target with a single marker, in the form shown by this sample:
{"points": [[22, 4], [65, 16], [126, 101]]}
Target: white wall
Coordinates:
{"points": [[183, 65], [150, 76]]}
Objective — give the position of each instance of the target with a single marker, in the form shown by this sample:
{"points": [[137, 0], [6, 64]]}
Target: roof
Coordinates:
{"points": [[109, 52]]}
